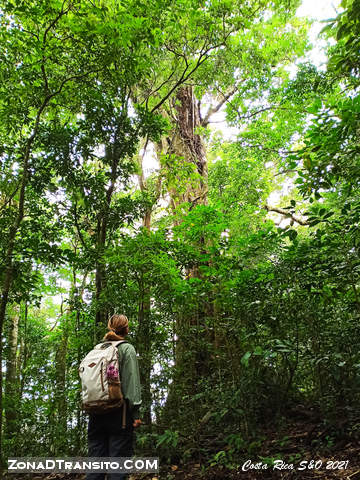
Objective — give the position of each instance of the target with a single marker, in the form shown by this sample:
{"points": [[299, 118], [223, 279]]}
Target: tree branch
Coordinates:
{"points": [[286, 213], [160, 86], [141, 175], [78, 228], [12, 195], [54, 22], [275, 150], [177, 84], [215, 109], [204, 55]]}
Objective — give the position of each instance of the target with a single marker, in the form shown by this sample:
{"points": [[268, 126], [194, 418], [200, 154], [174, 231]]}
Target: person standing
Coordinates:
{"points": [[106, 435]]}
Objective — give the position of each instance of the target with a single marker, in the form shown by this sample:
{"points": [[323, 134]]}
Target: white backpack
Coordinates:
{"points": [[100, 380]]}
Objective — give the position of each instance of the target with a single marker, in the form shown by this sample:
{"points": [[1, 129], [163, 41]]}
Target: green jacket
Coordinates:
{"points": [[130, 377]]}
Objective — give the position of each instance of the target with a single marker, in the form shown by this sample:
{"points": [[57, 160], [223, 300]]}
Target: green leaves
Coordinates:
{"points": [[168, 438], [315, 106], [261, 316], [292, 234], [245, 359]]}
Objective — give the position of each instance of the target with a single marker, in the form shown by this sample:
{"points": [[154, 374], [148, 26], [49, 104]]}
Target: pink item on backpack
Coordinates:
{"points": [[112, 372]]}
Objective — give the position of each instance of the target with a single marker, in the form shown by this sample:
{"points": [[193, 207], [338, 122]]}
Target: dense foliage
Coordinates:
{"points": [[236, 258]]}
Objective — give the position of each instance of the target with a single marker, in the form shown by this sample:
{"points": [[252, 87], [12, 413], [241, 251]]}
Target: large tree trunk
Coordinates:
{"points": [[191, 357], [186, 142], [190, 145]]}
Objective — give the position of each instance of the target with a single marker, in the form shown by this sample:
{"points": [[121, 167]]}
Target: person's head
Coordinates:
{"points": [[118, 326]]}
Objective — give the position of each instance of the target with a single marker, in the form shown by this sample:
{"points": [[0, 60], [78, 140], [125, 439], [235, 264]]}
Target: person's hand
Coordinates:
{"points": [[137, 422]]}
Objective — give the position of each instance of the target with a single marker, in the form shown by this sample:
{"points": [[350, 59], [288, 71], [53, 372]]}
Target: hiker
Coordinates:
{"points": [[111, 434]]}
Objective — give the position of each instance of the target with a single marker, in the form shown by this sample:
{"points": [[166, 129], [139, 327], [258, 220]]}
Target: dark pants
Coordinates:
{"points": [[107, 438]]}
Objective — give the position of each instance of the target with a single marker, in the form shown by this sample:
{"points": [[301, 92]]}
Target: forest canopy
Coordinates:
{"points": [[185, 164]]}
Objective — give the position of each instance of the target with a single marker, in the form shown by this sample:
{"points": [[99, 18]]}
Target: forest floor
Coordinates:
{"points": [[323, 453], [296, 444]]}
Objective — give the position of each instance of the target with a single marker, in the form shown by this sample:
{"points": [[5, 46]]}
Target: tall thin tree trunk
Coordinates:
{"points": [[145, 343], [9, 268], [100, 271], [11, 403], [60, 391], [78, 410], [144, 313], [8, 261], [113, 152], [23, 352]]}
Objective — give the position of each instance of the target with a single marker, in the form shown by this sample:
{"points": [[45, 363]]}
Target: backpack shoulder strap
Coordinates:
{"points": [[120, 355], [107, 343], [118, 342]]}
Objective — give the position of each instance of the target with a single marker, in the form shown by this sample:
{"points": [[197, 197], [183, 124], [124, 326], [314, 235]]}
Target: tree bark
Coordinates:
{"points": [[113, 154], [14, 228], [189, 144], [79, 416], [191, 358], [9, 268], [145, 344], [23, 352], [100, 271], [144, 313], [11, 378], [60, 391], [186, 142]]}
